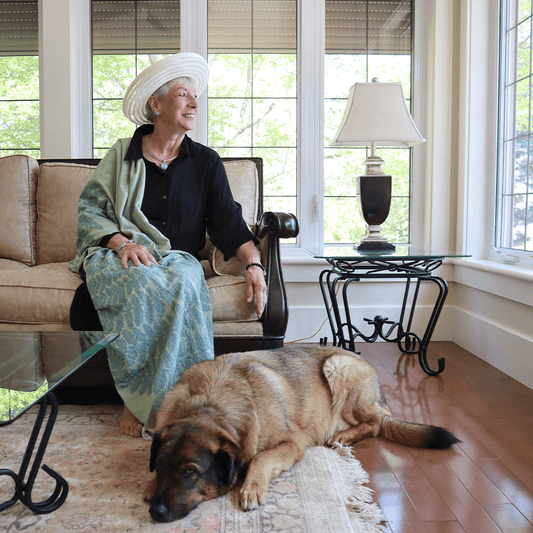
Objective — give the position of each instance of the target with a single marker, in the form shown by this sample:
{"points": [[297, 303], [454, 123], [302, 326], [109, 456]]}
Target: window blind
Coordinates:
{"points": [[240, 26], [145, 26], [136, 26], [19, 26], [368, 26]]}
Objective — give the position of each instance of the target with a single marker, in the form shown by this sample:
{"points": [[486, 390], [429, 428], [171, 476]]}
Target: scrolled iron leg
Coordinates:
{"points": [[422, 359], [439, 304], [23, 490], [18, 489]]}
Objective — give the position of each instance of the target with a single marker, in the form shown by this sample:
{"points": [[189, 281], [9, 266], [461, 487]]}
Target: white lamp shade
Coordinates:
{"points": [[377, 113]]}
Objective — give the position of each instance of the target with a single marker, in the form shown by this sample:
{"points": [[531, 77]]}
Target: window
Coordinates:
{"points": [[252, 91], [514, 227], [364, 39], [127, 37], [19, 75], [261, 82]]}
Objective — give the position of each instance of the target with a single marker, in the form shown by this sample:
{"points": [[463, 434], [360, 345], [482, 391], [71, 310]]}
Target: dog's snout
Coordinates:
{"points": [[159, 510]]}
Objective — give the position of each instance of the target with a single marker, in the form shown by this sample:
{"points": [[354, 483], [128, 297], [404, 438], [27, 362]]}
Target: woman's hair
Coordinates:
{"points": [[163, 91]]}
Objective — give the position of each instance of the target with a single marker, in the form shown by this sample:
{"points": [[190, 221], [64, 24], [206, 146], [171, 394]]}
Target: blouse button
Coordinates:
{"points": [[165, 197], [164, 223]]}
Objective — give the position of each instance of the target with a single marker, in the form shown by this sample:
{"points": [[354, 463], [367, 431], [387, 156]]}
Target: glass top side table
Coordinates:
{"points": [[412, 264], [32, 364]]}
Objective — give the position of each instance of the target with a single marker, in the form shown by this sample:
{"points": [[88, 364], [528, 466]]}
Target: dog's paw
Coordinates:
{"points": [[252, 495], [149, 490], [339, 438]]}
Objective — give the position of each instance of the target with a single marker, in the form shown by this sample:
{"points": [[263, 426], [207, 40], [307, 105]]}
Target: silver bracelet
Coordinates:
{"points": [[122, 245]]}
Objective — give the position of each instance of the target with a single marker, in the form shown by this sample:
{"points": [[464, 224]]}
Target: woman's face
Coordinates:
{"points": [[178, 108]]}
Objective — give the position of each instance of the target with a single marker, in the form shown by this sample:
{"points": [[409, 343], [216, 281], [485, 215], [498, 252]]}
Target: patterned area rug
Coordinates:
{"points": [[106, 472]]}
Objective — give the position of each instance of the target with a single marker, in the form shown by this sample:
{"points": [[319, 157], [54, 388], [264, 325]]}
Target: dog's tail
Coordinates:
{"points": [[420, 435]]}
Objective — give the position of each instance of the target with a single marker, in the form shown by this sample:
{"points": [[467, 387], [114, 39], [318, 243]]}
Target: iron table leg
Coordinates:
{"points": [[408, 341], [24, 489]]}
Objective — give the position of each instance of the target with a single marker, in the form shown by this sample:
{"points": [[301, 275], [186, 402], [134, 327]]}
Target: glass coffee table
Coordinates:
{"points": [[409, 263], [32, 364]]}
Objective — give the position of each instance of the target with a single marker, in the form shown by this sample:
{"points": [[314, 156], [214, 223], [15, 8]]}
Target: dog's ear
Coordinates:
{"points": [[156, 444], [228, 462]]}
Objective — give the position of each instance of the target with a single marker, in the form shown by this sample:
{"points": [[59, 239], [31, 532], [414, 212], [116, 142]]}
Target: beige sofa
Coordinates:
{"points": [[38, 214]]}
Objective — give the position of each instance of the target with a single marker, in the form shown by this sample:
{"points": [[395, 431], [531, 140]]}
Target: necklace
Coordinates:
{"points": [[163, 162]]}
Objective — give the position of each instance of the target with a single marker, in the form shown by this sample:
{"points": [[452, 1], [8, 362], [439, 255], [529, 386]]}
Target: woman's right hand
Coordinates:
{"points": [[131, 251], [137, 253]]}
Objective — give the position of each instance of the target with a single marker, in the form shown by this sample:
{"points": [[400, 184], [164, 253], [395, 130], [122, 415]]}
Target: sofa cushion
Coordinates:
{"points": [[244, 184], [58, 191], [243, 330], [9, 264], [228, 299], [18, 181], [38, 295], [219, 266]]}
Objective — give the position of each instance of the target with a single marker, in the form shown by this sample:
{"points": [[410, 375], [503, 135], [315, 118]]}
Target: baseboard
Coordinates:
{"points": [[310, 324], [507, 350]]}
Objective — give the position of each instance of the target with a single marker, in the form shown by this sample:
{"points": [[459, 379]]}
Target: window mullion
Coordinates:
{"points": [[193, 32], [311, 49], [64, 37]]}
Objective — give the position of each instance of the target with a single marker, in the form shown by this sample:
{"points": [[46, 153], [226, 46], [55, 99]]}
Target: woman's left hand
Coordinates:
{"points": [[256, 286]]}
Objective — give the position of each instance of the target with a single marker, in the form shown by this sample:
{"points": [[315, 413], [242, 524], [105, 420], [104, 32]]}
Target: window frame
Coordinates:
{"points": [[498, 249]]}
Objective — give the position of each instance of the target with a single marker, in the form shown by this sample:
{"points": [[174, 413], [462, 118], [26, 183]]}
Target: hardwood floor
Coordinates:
{"points": [[484, 484]]}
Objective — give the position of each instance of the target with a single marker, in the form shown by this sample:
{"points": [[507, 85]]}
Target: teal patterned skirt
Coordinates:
{"points": [[163, 314]]}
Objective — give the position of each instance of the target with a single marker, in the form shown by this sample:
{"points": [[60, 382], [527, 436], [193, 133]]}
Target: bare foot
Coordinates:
{"points": [[129, 425]]}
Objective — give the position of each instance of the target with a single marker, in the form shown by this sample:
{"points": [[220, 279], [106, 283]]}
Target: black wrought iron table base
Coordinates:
{"points": [[344, 273], [23, 489]]}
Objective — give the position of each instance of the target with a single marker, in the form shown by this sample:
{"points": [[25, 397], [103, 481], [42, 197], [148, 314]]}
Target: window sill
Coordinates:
{"points": [[508, 281]]}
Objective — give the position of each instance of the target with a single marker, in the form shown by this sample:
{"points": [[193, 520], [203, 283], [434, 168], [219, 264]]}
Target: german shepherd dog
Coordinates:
{"points": [[252, 415]]}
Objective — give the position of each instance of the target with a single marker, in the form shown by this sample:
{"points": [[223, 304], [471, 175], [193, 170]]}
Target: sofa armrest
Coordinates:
{"points": [[272, 227], [279, 225]]}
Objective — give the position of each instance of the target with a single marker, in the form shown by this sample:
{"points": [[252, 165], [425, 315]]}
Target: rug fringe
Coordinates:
{"points": [[358, 497]]}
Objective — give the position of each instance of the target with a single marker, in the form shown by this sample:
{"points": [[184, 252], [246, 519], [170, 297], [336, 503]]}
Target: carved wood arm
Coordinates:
{"points": [[272, 228]]}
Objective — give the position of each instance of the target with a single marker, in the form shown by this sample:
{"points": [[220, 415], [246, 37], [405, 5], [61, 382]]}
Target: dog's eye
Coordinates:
{"points": [[190, 471]]}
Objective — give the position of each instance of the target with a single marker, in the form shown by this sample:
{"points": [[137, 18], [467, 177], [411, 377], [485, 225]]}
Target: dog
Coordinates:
{"points": [[252, 415]]}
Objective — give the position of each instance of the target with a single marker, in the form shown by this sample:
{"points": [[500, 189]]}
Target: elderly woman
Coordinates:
{"points": [[142, 219]]}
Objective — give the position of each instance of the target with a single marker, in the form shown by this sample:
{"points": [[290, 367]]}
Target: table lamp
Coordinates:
{"points": [[376, 113]]}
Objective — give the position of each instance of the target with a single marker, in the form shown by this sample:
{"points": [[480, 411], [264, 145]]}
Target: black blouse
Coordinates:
{"points": [[191, 196]]}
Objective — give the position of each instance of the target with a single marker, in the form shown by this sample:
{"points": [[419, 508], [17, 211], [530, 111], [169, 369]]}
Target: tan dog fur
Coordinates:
{"points": [[261, 410]]}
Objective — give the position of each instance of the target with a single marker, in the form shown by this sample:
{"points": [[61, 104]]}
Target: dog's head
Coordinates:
{"points": [[194, 462]]}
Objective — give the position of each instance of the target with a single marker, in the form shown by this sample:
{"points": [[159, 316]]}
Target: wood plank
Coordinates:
{"points": [[508, 518], [426, 500], [444, 527], [402, 517], [516, 491], [468, 512], [477, 483]]}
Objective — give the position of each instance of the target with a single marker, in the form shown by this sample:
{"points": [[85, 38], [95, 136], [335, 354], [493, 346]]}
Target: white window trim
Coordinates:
{"points": [[478, 123], [193, 36], [65, 74], [506, 255]]}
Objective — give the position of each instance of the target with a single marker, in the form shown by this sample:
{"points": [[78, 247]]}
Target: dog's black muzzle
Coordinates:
{"points": [[160, 511]]}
